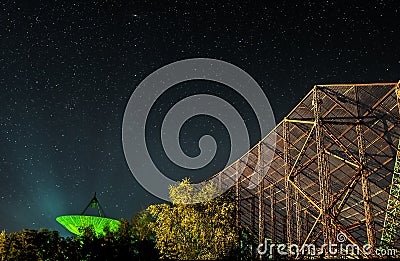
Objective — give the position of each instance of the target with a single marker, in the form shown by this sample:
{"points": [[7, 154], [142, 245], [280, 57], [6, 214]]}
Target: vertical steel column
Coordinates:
{"points": [[253, 213], [392, 220], [366, 193], [220, 181], [286, 157], [306, 227], [298, 213], [369, 218], [273, 219], [237, 196], [322, 168], [273, 215], [261, 234]]}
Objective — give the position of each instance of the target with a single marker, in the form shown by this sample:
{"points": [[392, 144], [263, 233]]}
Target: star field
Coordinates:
{"points": [[68, 68]]}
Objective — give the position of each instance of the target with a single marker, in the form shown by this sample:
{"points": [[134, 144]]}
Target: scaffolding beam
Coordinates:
{"points": [[365, 186], [261, 204], [322, 168], [288, 189], [297, 213], [237, 194]]}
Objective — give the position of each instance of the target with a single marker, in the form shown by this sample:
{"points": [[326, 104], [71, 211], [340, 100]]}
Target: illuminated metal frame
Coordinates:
{"points": [[332, 170]]}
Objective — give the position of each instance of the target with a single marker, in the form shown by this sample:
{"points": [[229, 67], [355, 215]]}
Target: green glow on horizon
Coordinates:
{"points": [[74, 222]]}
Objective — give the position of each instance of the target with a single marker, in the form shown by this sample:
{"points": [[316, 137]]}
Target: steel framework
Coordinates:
{"points": [[335, 169]]}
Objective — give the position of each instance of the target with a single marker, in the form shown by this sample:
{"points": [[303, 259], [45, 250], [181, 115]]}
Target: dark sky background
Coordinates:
{"points": [[67, 70]]}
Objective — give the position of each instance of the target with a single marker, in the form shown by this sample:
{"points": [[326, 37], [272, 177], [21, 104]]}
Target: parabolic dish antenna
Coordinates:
{"points": [[76, 223]]}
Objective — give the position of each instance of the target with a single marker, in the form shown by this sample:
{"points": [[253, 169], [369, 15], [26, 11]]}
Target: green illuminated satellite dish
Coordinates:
{"points": [[74, 223]]}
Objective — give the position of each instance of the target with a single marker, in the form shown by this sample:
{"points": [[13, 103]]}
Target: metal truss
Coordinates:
{"points": [[392, 213], [331, 171]]}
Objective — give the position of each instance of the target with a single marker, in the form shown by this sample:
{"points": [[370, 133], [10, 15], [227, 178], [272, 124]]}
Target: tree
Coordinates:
{"points": [[141, 225], [204, 230], [123, 244], [3, 244]]}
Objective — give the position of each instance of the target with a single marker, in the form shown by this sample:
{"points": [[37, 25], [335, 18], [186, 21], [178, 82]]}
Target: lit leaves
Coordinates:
{"points": [[194, 231]]}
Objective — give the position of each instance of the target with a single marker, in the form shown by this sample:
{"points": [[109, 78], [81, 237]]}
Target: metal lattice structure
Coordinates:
{"points": [[392, 213], [334, 170]]}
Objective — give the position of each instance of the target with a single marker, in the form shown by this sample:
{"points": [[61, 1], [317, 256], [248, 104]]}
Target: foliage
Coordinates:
{"points": [[247, 246], [124, 244], [30, 245], [141, 225], [204, 230]]}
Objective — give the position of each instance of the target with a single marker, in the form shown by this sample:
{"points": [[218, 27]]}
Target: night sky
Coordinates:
{"points": [[68, 69]]}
